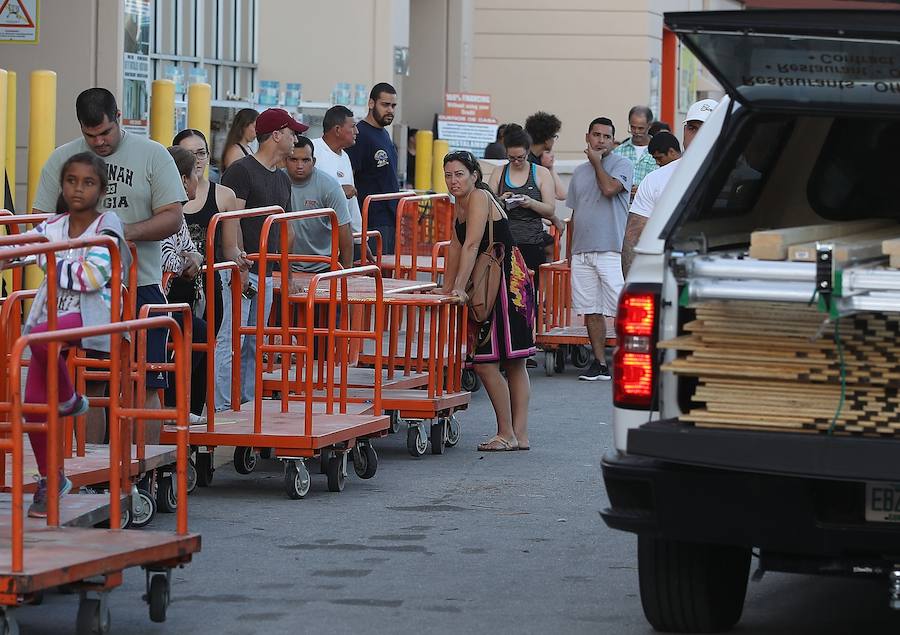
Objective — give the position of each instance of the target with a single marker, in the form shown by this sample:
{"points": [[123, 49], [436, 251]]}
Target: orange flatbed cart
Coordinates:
{"points": [[422, 221], [37, 555], [296, 428]]}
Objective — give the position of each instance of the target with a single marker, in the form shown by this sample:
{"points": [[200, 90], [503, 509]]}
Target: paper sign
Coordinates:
{"points": [[19, 21]]}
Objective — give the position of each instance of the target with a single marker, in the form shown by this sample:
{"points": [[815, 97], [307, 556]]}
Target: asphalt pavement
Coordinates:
{"points": [[464, 542]]}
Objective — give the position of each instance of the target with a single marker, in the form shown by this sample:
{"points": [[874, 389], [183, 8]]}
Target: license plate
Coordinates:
{"points": [[883, 502]]}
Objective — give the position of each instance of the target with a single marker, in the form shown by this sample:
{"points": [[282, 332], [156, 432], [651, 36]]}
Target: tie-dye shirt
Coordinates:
{"points": [[78, 271]]}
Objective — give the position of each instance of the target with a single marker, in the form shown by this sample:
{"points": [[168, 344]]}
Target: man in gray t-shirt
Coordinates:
{"points": [[312, 188], [598, 194]]}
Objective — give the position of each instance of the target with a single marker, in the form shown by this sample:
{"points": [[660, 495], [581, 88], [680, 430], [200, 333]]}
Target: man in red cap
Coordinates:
{"points": [[257, 182]]}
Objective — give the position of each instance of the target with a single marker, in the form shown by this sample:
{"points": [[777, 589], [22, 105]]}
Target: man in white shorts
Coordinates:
{"points": [[599, 193]]}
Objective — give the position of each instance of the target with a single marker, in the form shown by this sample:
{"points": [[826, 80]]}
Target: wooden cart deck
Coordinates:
{"points": [[75, 510], [284, 431], [63, 555], [416, 404], [356, 378], [359, 288], [93, 467]]}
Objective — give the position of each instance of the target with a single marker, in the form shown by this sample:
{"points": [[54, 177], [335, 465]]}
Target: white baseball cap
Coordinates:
{"points": [[700, 110]]}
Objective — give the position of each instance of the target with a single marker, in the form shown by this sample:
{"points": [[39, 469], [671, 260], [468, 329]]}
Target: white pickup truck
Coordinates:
{"points": [[809, 133]]}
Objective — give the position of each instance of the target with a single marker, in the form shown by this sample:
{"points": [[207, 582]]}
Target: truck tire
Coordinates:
{"points": [[687, 587]]}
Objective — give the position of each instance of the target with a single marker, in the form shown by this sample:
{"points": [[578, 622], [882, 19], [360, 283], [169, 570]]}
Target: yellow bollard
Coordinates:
{"points": [[441, 148], [11, 132], [41, 128], [41, 142], [199, 109], [424, 141], [4, 96], [162, 111]]}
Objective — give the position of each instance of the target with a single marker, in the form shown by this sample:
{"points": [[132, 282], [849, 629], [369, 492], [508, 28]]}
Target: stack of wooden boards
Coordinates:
{"points": [[852, 241], [771, 366]]}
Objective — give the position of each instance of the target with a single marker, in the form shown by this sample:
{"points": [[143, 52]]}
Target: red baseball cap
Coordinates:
{"points": [[275, 119]]}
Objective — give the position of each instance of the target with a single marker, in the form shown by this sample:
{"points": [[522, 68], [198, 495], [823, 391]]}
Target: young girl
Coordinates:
{"points": [[83, 297]]}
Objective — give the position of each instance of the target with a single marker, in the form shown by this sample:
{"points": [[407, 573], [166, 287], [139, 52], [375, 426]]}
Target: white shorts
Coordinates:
{"points": [[597, 282]]}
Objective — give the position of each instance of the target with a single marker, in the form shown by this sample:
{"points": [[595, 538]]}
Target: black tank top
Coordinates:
{"points": [[198, 222], [526, 225]]}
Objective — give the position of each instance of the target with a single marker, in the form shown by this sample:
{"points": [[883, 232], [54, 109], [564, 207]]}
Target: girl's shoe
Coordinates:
{"points": [[78, 407], [38, 507]]}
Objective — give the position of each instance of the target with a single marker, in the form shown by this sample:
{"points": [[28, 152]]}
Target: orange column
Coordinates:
{"points": [[669, 84]]}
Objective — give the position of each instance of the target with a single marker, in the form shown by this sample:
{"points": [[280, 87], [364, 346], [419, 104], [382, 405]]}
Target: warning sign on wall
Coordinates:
{"points": [[19, 21]]}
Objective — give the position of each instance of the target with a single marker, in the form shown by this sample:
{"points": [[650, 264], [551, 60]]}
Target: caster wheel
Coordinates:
{"points": [[470, 382], [336, 477], [266, 453], [244, 460], [296, 480], [581, 356], [166, 496], [416, 443], [559, 363], [365, 460], [453, 431], [143, 508], [205, 469], [395, 421], [549, 363], [127, 517], [158, 597], [93, 618], [191, 476], [36, 600], [438, 435]]}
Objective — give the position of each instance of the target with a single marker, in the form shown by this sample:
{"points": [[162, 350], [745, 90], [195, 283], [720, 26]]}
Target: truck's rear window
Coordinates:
{"points": [[855, 175]]}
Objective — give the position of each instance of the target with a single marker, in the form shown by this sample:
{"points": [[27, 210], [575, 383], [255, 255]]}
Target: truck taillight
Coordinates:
{"points": [[634, 366]]}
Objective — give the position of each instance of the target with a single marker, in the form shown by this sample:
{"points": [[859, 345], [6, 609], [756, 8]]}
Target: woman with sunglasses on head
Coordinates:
{"points": [[527, 191], [241, 134], [505, 339], [212, 198]]}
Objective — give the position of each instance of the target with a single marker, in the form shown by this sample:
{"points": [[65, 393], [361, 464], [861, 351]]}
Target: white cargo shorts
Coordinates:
{"points": [[597, 282]]}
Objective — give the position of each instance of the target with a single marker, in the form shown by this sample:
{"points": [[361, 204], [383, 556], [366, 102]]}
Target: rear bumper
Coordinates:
{"points": [[801, 516]]}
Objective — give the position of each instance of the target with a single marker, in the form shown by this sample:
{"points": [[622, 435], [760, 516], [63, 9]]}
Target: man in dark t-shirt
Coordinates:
{"points": [[257, 182], [374, 160]]}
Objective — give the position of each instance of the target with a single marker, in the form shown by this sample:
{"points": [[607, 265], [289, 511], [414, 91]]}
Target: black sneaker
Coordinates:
{"points": [[597, 372]]}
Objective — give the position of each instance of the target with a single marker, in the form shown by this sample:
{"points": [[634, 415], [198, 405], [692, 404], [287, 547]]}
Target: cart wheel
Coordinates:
{"points": [[143, 508], [395, 421], [244, 460], [365, 460], [191, 476], [336, 473], [166, 496], [559, 364], [158, 597], [416, 443], [266, 453], [470, 382], [93, 618], [580, 356], [550, 363], [127, 517], [36, 599], [205, 469], [296, 479], [438, 435], [453, 431]]}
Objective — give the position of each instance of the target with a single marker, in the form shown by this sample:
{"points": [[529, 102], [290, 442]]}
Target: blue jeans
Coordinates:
{"points": [[248, 342]]}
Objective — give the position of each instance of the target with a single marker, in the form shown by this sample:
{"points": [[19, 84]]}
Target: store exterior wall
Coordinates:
{"points": [[322, 43], [82, 42], [578, 59]]}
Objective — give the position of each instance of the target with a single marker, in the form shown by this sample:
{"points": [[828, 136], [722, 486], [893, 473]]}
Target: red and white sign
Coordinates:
{"points": [[18, 21], [468, 107]]}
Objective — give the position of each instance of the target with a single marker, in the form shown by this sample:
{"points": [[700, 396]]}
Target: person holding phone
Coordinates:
{"points": [[527, 191]]}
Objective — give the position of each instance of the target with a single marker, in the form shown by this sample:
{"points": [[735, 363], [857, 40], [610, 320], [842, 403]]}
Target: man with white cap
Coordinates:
{"points": [[653, 185]]}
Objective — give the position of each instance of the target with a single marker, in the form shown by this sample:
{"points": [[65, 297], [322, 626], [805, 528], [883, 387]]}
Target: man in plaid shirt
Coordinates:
{"points": [[635, 148]]}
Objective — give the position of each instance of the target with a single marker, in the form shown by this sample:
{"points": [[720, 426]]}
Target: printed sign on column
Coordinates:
{"points": [[467, 123], [19, 21], [136, 68]]}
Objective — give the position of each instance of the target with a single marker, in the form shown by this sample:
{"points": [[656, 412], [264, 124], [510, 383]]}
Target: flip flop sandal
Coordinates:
{"points": [[491, 445]]}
